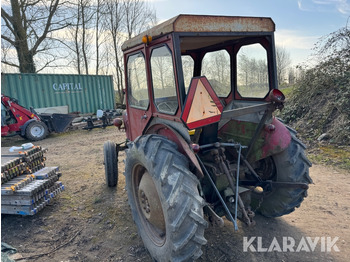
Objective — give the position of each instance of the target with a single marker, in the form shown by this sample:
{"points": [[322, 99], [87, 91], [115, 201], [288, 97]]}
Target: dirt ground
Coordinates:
{"points": [[91, 222]]}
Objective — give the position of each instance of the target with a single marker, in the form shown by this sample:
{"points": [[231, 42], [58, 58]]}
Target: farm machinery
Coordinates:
{"points": [[17, 120], [202, 138]]}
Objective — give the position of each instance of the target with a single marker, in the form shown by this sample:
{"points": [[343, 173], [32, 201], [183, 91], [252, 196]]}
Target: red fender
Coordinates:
{"points": [[183, 146], [273, 139], [277, 140]]}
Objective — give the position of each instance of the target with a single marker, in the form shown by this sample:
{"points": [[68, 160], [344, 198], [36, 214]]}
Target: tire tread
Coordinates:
{"points": [[295, 166], [179, 188]]}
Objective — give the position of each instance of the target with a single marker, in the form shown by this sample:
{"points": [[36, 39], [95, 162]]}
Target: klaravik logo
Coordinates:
{"points": [[289, 244]]}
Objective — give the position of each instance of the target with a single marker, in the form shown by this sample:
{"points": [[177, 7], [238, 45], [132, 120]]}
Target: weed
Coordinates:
{"points": [[331, 155]]}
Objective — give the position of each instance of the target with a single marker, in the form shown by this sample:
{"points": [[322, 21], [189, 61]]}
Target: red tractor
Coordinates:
{"points": [[202, 137], [17, 120]]}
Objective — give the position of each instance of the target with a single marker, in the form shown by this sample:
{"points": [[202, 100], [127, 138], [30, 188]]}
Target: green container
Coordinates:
{"points": [[82, 93]]}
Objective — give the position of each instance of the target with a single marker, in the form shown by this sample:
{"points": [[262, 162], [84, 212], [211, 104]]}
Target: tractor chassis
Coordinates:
{"points": [[229, 175]]}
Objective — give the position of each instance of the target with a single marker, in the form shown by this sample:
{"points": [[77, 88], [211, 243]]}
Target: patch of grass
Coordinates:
{"points": [[331, 155], [98, 199], [288, 91]]}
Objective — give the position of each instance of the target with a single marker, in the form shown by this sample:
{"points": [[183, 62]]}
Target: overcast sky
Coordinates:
{"points": [[299, 23]]}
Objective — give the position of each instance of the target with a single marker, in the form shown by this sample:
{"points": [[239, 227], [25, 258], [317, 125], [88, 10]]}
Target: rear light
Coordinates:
{"points": [[195, 148], [276, 95], [270, 128]]}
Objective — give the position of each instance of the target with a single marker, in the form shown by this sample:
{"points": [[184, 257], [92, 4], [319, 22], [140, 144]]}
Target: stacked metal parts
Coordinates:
{"points": [[27, 186]]}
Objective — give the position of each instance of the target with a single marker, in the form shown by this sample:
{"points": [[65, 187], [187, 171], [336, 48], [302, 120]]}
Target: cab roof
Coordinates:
{"points": [[204, 24]]}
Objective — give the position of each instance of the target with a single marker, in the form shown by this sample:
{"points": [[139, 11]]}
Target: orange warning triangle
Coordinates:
{"points": [[203, 105]]}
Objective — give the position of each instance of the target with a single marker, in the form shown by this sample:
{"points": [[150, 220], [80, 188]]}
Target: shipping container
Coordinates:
{"points": [[81, 93]]}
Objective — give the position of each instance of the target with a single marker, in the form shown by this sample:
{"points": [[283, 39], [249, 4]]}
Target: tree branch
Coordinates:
{"points": [[33, 3], [8, 40], [4, 15], [47, 26], [8, 20], [62, 42], [46, 65], [8, 63]]}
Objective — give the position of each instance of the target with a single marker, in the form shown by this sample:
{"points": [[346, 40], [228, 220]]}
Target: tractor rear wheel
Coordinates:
{"points": [[111, 163], [36, 130], [291, 165], [164, 199]]}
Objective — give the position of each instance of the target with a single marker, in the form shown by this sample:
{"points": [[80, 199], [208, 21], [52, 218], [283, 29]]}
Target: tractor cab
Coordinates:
{"points": [[235, 54], [202, 140]]}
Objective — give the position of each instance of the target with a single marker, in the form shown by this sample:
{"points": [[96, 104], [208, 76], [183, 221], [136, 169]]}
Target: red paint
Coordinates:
{"points": [[183, 147], [189, 100], [21, 114], [136, 120], [276, 95], [203, 122], [277, 141]]}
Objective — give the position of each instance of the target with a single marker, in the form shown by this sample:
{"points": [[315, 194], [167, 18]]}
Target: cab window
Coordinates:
{"points": [[252, 71], [163, 80], [216, 67], [187, 69], [137, 81]]}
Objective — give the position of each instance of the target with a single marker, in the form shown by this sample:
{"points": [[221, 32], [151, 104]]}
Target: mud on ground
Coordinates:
{"points": [[91, 222]]}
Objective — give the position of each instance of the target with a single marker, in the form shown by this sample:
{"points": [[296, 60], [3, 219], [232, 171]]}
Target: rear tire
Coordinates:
{"points": [[291, 165], [111, 163], [36, 130], [164, 199]]}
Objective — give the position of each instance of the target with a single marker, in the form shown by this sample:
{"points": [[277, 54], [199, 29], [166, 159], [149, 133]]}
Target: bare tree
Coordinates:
{"points": [[77, 48], [97, 33], [262, 72], [283, 62], [138, 17], [244, 69], [101, 35], [28, 26], [114, 26], [222, 73], [93, 34], [252, 72], [125, 19], [87, 14], [333, 52], [79, 37], [161, 75], [291, 76]]}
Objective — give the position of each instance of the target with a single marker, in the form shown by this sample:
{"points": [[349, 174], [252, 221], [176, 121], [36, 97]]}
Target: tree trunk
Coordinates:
{"points": [[83, 47], [76, 40], [25, 57]]}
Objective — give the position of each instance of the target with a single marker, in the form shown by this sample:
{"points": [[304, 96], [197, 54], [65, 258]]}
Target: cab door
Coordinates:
{"points": [[137, 95]]}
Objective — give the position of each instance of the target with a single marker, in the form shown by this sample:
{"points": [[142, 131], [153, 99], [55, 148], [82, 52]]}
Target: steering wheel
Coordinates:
{"points": [[167, 106]]}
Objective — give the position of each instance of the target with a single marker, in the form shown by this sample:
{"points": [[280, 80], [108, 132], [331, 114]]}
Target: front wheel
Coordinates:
{"points": [[36, 130], [291, 165], [164, 199], [110, 154]]}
